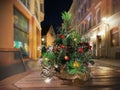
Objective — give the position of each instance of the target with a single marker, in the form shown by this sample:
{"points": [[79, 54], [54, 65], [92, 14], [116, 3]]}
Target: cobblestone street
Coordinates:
{"points": [[60, 45], [103, 77]]}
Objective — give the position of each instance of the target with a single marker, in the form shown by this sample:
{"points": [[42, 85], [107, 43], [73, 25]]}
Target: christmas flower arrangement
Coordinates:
{"points": [[70, 54]]}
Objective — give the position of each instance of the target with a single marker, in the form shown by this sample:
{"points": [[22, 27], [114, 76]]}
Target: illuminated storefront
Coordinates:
{"points": [[21, 33]]}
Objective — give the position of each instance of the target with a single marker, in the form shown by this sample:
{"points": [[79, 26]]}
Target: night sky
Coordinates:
{"points": [[53, 10]]}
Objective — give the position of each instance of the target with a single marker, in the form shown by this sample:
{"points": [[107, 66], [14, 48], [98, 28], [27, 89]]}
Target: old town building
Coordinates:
{"points": [[99, 20], [20, 29], [20, 25]]}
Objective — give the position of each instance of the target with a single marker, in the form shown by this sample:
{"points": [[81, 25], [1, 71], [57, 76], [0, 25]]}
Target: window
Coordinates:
{"points": [[98, 16], [90, 22], [115, 37], [116, 5], [26, 3], [82, 27], [80, 2], [85, 27], [36, 9], [21, 32], [85, 8], [42, 6], [89, 3], [82, 13]]}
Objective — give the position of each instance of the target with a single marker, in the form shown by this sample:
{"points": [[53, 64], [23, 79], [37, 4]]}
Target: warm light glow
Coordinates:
{"points": [[93, 36], [105, 69], [26, 46], [101, 32], [75, 39], [47, 80], [38, 48], [105, 20], [43, 39], [46, 59]]}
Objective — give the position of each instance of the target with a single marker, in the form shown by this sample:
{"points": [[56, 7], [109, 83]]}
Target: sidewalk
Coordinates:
{"points": [[30, 80], [108, 62], [113, 63], [7, 84]]}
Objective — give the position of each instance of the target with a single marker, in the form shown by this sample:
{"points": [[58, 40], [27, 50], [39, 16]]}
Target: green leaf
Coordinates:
{"points": [[66, 16], [64, 41], [49, 55], [70, 64], [72, 71]]}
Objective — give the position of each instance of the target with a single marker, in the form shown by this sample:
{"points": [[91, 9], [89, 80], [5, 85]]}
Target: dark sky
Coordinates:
{"points": [[53, 10]]}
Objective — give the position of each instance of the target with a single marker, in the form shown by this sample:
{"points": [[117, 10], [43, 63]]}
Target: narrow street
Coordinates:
{"points": [[102, 78], [51, 44]]}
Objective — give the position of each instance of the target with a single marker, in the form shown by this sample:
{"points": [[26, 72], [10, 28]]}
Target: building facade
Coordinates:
{"points": [[20, 28], [99, 20]]}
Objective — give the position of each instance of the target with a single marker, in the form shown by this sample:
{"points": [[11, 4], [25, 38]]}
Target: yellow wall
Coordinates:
{"points": [[35, 39], [50, 37], [7, 29], [6, 24]]}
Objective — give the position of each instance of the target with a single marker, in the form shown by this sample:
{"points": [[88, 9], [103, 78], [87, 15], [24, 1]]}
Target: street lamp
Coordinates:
{"points": [[43, 40]]}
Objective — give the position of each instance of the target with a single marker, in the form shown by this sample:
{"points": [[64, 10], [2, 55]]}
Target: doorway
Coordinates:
{"points": [[99, 44]]}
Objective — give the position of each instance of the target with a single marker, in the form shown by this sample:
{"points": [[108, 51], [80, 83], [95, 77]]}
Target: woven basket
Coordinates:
{"points": [[79, 76]]}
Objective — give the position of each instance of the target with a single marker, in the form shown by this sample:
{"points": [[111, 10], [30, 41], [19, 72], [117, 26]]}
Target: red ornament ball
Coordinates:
{"points": [[66, 58], [62, 46], [80, 50], [62, 36]]}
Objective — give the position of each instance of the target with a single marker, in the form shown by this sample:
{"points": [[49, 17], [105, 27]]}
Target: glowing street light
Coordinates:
{"points": [[43, 39], [104, 19]]}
